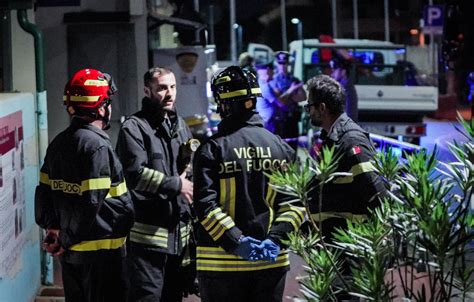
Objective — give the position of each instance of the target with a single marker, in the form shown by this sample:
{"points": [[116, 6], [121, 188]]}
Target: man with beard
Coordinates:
{"points": [[149, 146], [344, 197]]}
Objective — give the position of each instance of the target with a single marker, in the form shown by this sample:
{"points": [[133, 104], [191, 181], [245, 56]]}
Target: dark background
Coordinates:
{"points": [[261, 23]]}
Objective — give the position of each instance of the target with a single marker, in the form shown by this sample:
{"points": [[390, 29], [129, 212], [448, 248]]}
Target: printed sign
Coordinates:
{"points": [[12, 192], [433, 17]]}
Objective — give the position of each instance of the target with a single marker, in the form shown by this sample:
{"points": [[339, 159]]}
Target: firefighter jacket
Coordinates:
{"points": [[347, 196], [233, 198], [149, 151], [82, 193]]}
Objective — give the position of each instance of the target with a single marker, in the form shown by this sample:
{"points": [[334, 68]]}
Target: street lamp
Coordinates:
{"points": [[299, 27], [238, 28]]}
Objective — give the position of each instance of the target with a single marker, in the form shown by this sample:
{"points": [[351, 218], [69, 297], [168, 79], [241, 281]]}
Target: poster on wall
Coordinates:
{"points": [[12, 193], [189, 66]]}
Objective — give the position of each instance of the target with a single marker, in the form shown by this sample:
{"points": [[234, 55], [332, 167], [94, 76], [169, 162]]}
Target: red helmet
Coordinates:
{"points": [[88, 88]]}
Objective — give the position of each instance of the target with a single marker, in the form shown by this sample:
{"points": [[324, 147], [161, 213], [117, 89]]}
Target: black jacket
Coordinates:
{"points": [[149, 152], [82, 192], [348, 196], [232, 195]]}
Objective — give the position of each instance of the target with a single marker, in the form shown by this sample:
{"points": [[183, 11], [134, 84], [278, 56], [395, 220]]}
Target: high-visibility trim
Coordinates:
{"points": [[218, 260], [185, 234], [300, 211], [289, 220], [119, 190], [226, 224], [211, 252], [210, 218], [96, 83], [95, 184], [78, 98], [271, 195], [223, 196], [214, 220], [227, 195], [347, 215], [75, 188], [355, 170], [150, 229], [95, 245], [232, 198], [290, 217], [149, 234], [150, 180], [292, 214], [216, 223], [149, 240], [44, 179], [241, 92], [186, 262], [215, 253], [269, 200], [223, 80]]}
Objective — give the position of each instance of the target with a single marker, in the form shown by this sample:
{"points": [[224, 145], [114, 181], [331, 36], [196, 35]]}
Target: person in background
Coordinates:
{"points": [[149, 145], [82, 200], [243, 221], [344, 197], [290, 92], [269, 103], [340, 71], [247, 61]]}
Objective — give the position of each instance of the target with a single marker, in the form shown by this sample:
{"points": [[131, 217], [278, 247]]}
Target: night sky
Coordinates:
{"points": [[316, 17]]}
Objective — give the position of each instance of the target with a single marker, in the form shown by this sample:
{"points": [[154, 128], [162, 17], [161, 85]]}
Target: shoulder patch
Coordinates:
{"points": [[355, 150]]}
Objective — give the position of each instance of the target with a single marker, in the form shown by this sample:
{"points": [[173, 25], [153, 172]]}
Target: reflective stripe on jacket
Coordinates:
{"points": [[350, 196], [82, 191], [149, 152], [233, 197]]}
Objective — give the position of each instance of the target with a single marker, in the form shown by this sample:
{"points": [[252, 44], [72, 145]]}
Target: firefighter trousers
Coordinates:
{"points": [[104, 280], [155, 276], [255, 286]]}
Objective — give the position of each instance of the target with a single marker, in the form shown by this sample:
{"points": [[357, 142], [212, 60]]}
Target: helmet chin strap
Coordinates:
{"points": [[106, 118]]}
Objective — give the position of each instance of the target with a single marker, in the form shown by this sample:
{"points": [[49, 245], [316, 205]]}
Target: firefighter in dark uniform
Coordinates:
{"points": [[345, 197], [240, 214], [82, 200], [149, 145], [289, 90]]}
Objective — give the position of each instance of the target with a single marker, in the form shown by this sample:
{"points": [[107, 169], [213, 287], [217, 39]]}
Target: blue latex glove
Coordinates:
{"points": [[246, 246], [267, 250]]}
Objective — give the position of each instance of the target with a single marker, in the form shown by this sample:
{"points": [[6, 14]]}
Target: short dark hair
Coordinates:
{"points": [[148, 76], [324, 89]]}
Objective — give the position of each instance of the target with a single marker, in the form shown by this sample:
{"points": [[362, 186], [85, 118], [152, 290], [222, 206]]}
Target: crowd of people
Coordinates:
{"points": [[128, 222]]}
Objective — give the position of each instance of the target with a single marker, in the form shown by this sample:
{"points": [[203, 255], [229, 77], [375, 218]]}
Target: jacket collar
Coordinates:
{"points": [[79, 123], [337, 129], [234, 122], [156, 118]]}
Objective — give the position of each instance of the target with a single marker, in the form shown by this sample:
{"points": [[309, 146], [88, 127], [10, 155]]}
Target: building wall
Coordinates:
{"points": [[131, 60], [128, 49], [23, 56], [21, 281]]}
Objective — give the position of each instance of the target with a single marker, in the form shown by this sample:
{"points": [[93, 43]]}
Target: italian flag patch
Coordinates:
{"points": [[355, 150]]}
